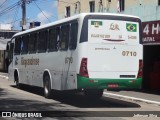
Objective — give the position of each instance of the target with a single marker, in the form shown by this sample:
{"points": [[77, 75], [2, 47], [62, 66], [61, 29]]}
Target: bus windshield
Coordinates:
{"points": [[113, 31]]}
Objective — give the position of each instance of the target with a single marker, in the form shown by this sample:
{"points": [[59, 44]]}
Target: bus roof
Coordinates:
{"points": [[82, 15]]}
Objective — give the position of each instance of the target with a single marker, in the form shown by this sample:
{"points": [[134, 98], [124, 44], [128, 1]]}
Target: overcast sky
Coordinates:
{"points": [[44, 11]]}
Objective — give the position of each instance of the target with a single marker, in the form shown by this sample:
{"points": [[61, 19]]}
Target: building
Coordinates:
{"points": [[147, 10], [5, 36], [72, 7]]}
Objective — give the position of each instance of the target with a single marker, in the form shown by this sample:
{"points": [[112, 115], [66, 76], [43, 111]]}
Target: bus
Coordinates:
{"points": [[88, 52]]}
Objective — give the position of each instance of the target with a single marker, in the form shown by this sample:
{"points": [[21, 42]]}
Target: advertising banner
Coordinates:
{"points": [[151, 32]]}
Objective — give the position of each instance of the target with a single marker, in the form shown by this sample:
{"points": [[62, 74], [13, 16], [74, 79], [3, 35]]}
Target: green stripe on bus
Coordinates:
{"points": [[83, 82]]}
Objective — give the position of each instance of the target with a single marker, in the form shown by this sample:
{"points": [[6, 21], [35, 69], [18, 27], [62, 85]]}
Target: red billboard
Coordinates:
{"points": [[151, 32]]}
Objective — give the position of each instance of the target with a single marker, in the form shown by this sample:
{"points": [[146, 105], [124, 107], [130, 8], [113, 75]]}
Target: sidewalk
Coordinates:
{"points": [[4, 75], [144, 96]]}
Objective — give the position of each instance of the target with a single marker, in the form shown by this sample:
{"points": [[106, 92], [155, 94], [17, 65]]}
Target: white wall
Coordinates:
{"points": [[5, 26]]}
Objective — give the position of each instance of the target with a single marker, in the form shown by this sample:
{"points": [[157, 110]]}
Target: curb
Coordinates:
{"points": [[132, 98], [5, 77]]}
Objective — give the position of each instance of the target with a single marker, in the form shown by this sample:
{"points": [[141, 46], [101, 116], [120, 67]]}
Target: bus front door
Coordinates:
{"points": [[10, 61], [66, 69]]}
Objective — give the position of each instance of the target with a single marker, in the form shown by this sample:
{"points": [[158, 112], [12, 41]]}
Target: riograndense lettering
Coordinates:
{"points": [[32, 61]]}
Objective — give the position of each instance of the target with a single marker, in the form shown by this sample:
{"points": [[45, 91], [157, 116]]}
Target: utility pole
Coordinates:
{"points": [[23, 15]]}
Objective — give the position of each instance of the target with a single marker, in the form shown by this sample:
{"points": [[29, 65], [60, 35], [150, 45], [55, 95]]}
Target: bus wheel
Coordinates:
{"points": [[47, 87], [18, 85], [93, 93]]}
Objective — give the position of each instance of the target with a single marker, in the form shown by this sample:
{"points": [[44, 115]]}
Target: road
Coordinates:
{"points": [[66, 105]]}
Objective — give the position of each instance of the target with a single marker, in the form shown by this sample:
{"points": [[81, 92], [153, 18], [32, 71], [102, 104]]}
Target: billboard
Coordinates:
{"points": [[151, 32]]}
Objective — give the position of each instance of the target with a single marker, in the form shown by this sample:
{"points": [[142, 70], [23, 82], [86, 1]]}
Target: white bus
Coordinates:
{"points": [[89, 52]]}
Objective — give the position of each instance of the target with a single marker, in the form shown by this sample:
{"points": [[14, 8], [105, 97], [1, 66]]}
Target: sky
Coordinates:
{"points": [[44, 11]]}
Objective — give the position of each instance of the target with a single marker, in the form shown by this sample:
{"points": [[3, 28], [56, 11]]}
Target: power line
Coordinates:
{"points": [[8, 9], [17, 5], [11, 7], [3, 3], [38, 2], [41, 11], [14, 21], [15, 15]]}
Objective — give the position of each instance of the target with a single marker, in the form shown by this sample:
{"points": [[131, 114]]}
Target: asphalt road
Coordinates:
{"points": [[70, 106]]}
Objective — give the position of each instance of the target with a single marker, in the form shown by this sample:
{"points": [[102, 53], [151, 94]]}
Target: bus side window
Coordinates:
{"points": [[7, 47], [42, 41], [52, 41], [32, 47], [64, 37], [24, 44], [17, 46], [57, 37], [31, 43], [73, 36]]}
